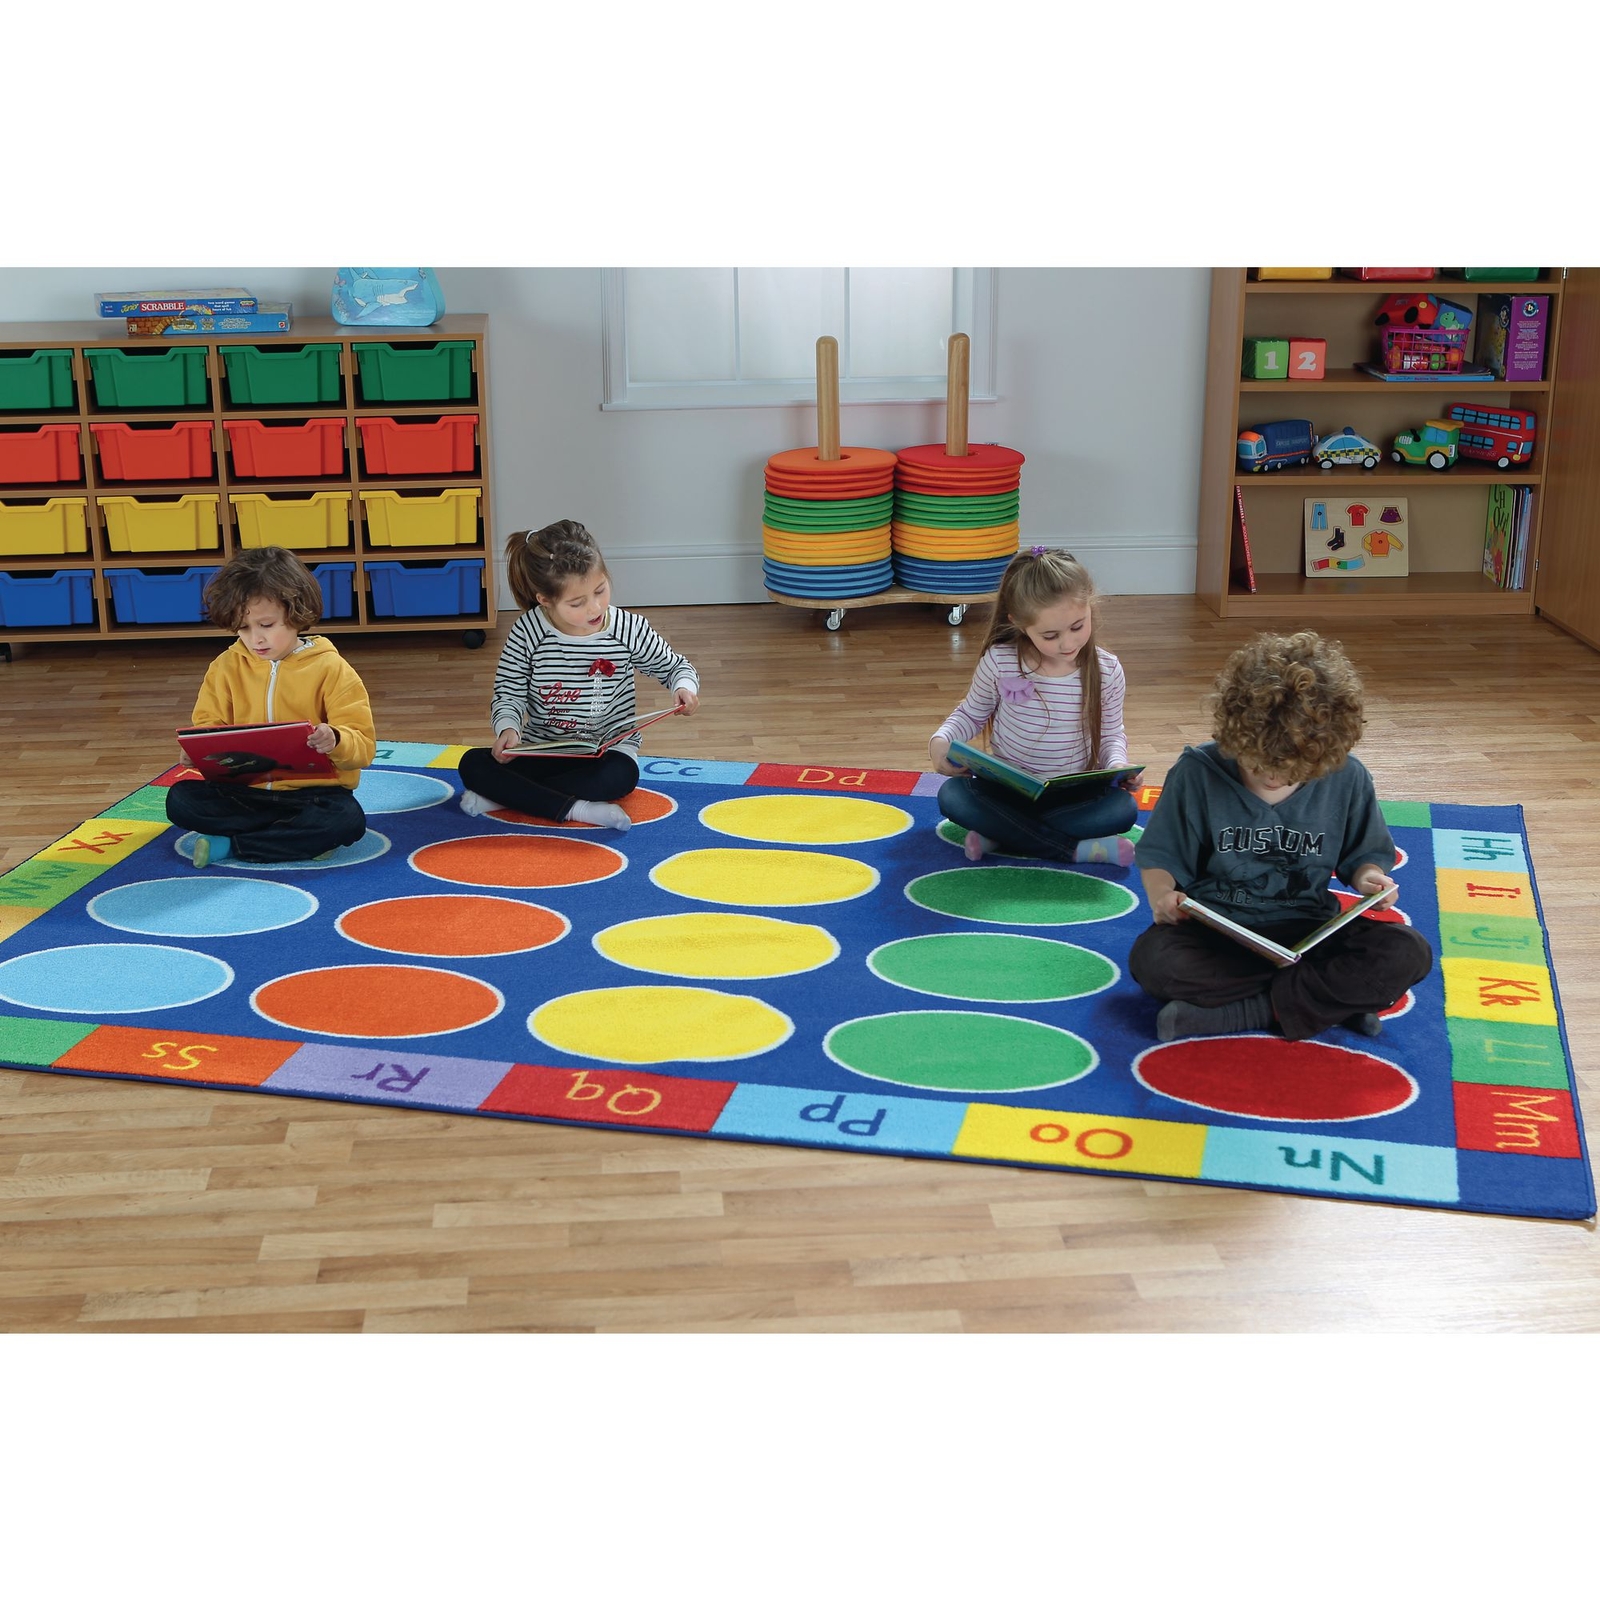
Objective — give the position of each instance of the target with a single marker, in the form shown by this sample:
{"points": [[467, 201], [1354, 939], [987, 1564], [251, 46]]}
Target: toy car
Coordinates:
{"points": [[1435, 444], [1413, 310], [1346, 449]]}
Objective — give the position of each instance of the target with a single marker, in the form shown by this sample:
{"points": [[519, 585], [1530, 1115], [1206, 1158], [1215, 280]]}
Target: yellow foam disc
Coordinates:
{"points": [[717, 944], [806, 819], [649, 1024], [764, 877]]}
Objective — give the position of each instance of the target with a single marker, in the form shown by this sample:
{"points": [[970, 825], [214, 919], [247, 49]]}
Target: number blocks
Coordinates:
{"points": [[793, 955], [1306, 359]]}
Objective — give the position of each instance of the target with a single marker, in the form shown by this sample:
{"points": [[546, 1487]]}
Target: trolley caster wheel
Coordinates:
{"points": [[473, 638], [5, 653], [956, 615], [833, 619]]}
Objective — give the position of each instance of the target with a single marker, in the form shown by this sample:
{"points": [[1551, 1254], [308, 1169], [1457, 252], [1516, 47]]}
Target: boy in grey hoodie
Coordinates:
{"points": [[1255, 823]]}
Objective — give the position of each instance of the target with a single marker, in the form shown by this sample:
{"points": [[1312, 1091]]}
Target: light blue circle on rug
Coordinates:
{"points": [[103, 979], [206, 906], [382, 791], [368, 847]]}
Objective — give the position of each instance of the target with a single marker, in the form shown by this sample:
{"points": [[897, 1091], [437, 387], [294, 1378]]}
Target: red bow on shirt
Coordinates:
{"points": [[602, 666]]}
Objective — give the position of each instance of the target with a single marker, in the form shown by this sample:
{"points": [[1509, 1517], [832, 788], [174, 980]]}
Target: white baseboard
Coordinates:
{"points": [[723, 574]]}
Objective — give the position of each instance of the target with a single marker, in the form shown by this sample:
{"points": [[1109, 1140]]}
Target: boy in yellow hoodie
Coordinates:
{"points": [[275, 673]]}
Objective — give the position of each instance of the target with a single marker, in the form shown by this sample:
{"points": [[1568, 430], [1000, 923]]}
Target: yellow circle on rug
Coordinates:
{"points": [[763, 877], [643, 1025], [806, 819], [717, 944]]}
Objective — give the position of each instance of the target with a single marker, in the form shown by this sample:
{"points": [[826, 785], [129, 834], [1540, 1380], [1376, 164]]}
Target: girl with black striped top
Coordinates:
{"points": [[566, 671]]}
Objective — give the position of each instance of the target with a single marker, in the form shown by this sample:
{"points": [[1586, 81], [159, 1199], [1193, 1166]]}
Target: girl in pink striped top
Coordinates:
{"points": [[1051, 702]]}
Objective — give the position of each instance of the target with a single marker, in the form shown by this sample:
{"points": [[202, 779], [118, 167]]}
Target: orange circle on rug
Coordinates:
{"points": [[643, 805], [452, 925], [389, 1002], [539, 861]]}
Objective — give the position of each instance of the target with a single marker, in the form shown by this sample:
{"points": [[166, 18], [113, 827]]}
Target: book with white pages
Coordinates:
{"points": [[1279, 955]]}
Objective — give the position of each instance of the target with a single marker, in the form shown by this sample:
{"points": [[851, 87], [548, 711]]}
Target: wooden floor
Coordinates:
{"points": [[127, 1206]]}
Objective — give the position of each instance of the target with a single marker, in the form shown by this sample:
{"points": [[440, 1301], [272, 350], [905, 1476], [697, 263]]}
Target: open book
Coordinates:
{"points": [[254, 752], [1279, 955], [988, 765], [573, 745]]}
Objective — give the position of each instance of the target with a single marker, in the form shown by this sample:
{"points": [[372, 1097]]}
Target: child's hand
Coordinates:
{"points": [[323, 738], [1370, 879], [1168, 906], [939, 755], [687, 699], [504, 742], [1131, 781]]}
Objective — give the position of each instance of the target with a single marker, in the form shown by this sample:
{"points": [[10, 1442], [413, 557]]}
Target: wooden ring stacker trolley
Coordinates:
{"points": [[955, 444]]}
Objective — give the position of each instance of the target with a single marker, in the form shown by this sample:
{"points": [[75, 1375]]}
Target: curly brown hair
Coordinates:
{"points": [[268, 573], [1289, 705], [540, 565]]}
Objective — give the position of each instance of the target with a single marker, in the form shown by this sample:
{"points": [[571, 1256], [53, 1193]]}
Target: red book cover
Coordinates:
{"points": [[257, 753], [1241, 570]]}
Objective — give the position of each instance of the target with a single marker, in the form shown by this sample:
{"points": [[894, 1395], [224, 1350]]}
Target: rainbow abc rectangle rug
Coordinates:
{"points": [[793, 954]]}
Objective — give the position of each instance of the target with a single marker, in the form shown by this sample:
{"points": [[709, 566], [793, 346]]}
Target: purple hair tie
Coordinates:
{"points": [[1037, 551]]}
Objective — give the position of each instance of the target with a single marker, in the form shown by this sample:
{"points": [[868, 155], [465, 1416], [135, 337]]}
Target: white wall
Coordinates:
{"points": [[1101, 373]]}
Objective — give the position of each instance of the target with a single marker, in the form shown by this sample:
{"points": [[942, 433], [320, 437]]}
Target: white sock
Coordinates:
{"points": [[475, 805], [976, 846], [1111, 851], [600, 814]]}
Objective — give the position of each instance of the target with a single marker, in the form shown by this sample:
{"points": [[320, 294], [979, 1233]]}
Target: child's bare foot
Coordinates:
{"points": [[976, 846]]}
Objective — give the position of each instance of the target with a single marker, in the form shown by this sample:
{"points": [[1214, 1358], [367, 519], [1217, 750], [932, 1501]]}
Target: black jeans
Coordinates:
{"points": [[1365, 966], [546, 786], [269, 824]]}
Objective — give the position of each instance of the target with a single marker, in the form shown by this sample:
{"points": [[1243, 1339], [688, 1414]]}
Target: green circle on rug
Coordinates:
{"points": [[960, 1052], [1014, 967], [1040, 897]]}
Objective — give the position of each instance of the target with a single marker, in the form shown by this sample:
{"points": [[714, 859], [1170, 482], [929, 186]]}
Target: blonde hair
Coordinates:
{"points": [[540, 565], [1288, 704], [1035, 580]]}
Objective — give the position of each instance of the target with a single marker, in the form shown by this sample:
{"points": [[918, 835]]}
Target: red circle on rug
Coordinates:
{"points": [[1275, 1079], [643, 805], [452, 925], [538, 861], [377, 1002]]}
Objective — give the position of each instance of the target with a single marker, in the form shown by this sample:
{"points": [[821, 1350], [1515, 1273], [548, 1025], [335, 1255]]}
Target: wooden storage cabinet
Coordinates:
{"points": [[1447, 509], [284, 462]]}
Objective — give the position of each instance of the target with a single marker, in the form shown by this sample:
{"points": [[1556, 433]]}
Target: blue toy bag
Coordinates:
{"points": [[394, 297]]}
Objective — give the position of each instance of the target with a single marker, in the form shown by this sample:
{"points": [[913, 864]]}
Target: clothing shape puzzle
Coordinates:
{"points": [[1346, 537], [798, 955]]}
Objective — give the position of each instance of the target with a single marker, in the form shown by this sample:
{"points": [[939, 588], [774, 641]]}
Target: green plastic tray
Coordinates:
{"points": [[265, 376], [441, 371], [149, 379], [36, 380]]}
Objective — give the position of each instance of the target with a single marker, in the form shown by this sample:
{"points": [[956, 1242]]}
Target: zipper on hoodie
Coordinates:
{"points": [[272, 683]]}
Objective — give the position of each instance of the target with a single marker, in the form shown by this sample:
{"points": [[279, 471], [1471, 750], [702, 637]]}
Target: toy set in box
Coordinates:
{"points": [[264, 319], [176, 303], [1511, 335]]}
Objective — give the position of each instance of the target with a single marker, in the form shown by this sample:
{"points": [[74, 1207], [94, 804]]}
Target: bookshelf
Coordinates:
{"points": [[359, 546], [1446, 509]]}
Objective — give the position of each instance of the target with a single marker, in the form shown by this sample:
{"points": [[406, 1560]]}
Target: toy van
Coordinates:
{"points": [[1272, 445], [1435, 444], [1346, 449]]}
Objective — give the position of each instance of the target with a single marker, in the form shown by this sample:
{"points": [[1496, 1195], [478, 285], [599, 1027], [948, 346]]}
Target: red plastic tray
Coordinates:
{"points": [[172, 452], [310, 449], [47, 454], [390, 446]]}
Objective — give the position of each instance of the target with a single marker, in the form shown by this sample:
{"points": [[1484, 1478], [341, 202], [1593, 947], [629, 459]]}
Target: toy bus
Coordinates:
{"points": [[1272, 445], [1504, 437]]}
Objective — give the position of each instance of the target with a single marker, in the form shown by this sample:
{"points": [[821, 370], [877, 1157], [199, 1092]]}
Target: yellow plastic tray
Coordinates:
{"points": [[134, 525], [1264, 274], [450, 517], [320, 523], [53, 528]]}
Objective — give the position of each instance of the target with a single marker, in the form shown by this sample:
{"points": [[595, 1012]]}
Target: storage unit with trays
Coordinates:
{"points": [[1446, 509], [131, 468]]}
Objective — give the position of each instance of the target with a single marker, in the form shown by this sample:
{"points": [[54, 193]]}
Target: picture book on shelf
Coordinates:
{"points": [[1241, 569], [1357, 535], [575, 745], [1279, 955], [988, 765], [253, 752], [1497, 533]]}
